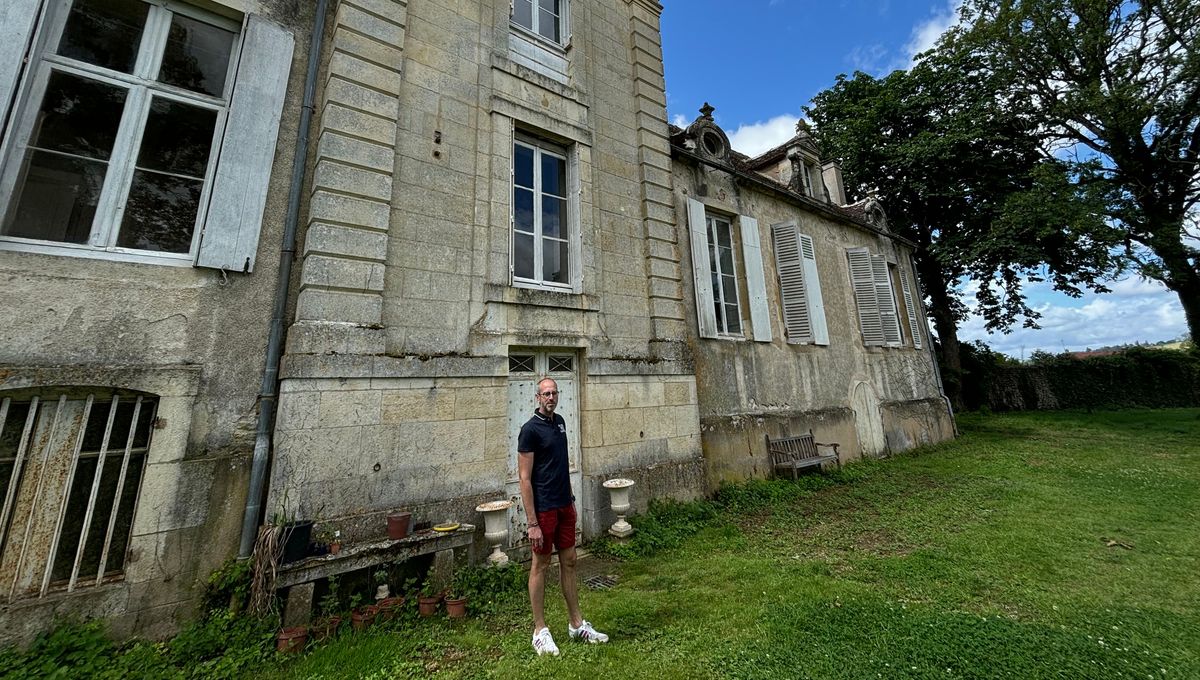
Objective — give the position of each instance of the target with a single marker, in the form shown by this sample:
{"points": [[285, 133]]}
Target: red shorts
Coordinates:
{"points": [[558, 529]]}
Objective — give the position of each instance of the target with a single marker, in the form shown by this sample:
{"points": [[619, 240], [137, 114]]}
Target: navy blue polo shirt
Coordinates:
{"points": [[546, 438]]}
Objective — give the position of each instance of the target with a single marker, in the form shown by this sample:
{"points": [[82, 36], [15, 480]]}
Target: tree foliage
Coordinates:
{"points": [[1115, 88], [959, 170]]}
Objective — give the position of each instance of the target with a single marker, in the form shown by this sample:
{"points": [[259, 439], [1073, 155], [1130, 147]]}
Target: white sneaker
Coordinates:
{"points": [[586, 633], [543, 642]]}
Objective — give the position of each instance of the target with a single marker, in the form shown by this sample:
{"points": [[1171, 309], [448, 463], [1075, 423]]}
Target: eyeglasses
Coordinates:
{"points": [[549, 393]]}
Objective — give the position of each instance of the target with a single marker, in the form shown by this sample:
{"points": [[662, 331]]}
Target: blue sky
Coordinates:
{"points": [[759, 61]]}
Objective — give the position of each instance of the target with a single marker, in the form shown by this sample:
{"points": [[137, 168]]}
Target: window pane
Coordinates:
{"points": [[106, 33], [549, 5], [722, 229], [726, 261], [160, 213], [728, 289], [124, 523], [178, 138], [196, 56], [733, 321], [554, 261], [562, 364], [523, 210], [520, 363], [715, 284], [10, 438], [523, 255], [548, 25], [554, 176], [79, 116], [523, 166], [72, 531], [57, 201], [523, 13], [554, 212]]}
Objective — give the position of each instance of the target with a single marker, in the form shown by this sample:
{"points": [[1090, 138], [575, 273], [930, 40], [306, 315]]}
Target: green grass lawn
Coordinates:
{"points": [[1038, 545], [1061, 545]]}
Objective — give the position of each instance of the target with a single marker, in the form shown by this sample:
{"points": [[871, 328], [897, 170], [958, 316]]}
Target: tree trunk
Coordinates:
{"points": [[1187, 287], [941, 308]]}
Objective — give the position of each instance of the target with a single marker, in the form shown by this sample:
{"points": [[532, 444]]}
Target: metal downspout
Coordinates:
{"points": [[937, 369], [268, 392]]}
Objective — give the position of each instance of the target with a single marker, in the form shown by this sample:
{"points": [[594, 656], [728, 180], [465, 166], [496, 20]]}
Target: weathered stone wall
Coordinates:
{"points": [[751, 389], [396, 387], [194, 337]]}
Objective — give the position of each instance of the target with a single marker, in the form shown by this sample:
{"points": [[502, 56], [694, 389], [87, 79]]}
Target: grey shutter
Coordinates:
{"points": [[812, 280], [912, 310], [239, 192], [17, 19], [756, 285], [792, 296], [886, 300], [864, 296], [706, 314]]}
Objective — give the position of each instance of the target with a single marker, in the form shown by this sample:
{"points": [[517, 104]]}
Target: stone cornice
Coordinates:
{"points": [[652, 6]]}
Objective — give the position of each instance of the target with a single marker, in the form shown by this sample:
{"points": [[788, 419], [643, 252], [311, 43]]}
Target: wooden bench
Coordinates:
{"points": [[794, 453]]}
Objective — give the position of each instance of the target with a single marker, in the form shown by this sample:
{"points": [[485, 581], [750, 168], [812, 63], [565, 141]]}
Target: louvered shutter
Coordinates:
{"points": [[239, 192], [790, 267], [17, 19], [912, 309], [864, 296], [812, 288], [706, 314], [756, 284], [886, 300]]}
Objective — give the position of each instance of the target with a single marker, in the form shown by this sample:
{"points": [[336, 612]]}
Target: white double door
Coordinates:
{"points": [[526, 368]]}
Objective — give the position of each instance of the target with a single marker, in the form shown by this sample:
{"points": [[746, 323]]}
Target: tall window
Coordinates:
{"points": [[129, 106], [546, 18], [723, 275], [541, 221]]}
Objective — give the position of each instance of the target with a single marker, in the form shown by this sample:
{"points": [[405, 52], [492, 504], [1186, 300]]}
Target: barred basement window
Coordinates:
{"points": [[71, 466]]}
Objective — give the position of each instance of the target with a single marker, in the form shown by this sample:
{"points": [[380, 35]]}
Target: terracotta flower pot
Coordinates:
{"points": [[335, 548], [389, 608], [397, 525], [456, 608], [362, 618], [325, 627], [427, 605], [291, 640]]}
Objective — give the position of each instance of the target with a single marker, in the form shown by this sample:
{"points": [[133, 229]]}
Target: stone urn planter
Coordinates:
{"points": [[495, 528], [619, 490]]}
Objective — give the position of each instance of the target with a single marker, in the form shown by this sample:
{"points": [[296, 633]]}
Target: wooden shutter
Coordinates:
{"points": [[17, 19], [812, 288], [912, 309], [756, 285], [886, 300], [706, 314], [790, 268], [239, 192], [863, 281]]}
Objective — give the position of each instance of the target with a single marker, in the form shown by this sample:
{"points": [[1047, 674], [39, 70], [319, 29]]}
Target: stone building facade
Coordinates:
{"points": [[491, 194], [806, 309]]}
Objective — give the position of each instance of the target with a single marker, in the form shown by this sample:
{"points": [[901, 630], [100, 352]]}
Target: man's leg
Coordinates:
{"points": [[537, 589], [567, 579]]}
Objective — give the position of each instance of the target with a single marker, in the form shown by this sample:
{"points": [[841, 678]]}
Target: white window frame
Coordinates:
{"points": [[531, 31], [141, 88], [711, 221], [568, 155]]}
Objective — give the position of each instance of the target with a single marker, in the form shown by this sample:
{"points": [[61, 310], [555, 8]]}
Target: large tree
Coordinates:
{"points": [[958, 170], [1117, 92]]}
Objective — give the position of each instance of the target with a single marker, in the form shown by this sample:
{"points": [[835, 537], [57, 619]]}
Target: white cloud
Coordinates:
{"points": [[867, 58], [925, 34], [1136, 311], [755, 138], [679, 121]]}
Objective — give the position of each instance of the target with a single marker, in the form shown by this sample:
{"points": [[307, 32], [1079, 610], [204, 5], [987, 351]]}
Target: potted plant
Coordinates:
{"points": [[327, 624], [398, 525], [291, 640], [335, 545], [361, 617], [466, 584], [330, 539], [427, 603]]}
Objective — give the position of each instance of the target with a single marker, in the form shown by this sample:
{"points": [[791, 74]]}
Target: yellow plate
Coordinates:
{"points": [[447, 527]]}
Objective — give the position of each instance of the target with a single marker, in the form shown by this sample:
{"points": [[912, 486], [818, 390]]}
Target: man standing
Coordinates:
{"points": [[550, 507]]}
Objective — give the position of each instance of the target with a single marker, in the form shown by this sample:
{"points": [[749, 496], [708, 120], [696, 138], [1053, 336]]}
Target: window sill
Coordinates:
{"points": [[538, 39], [536, 296], [66, 250]]}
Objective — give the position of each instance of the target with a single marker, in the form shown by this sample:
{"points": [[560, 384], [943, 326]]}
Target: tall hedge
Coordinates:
{"points": [[1136, 377]]}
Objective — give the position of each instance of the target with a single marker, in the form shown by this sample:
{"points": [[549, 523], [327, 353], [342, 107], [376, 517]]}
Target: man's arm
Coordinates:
{"points": [[525, 468]]}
